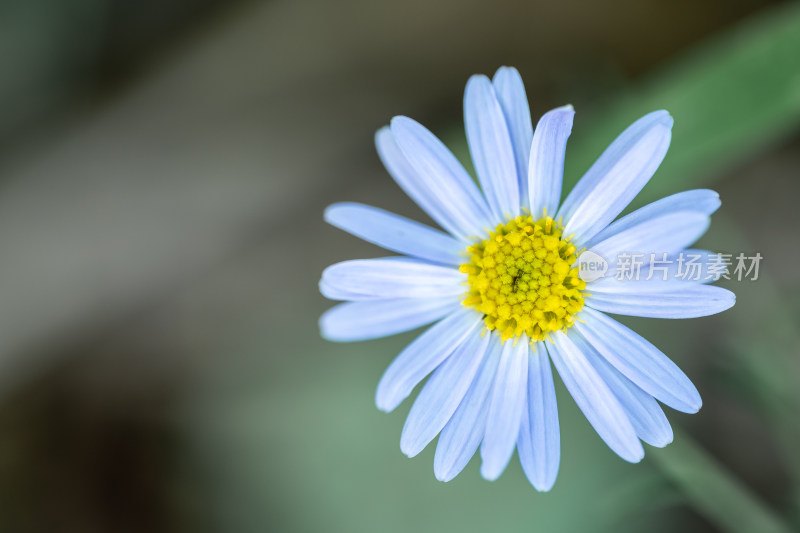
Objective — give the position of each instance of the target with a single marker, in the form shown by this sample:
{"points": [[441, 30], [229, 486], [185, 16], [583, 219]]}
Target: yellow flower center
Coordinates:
{"points": [[523, 280]]}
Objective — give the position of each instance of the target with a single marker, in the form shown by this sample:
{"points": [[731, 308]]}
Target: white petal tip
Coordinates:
{"points": [[661, 443], [444, 477], [693, 407], [384, 405], [402, 122], [731, 301], [724, 297], [633, 456], [490, 472], [409, 452], [324, 288], [331, 336], [408, 445], [333, 214], [631, 451], [330, 212], [325, 334], [477, 78], [383, 135], [662, 115], [506, 68], [506, 71], [326, 331]]}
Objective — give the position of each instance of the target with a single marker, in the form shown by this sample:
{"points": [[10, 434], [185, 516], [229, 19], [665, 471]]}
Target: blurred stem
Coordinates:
{"points": [[713, 491], [767, 369]]}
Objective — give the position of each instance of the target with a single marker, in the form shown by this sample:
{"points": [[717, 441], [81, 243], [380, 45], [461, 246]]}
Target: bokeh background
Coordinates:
{"points": [[164, 165]]}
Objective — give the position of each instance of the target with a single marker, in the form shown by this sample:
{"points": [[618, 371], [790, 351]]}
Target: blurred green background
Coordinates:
{"points": [[164, 165]]}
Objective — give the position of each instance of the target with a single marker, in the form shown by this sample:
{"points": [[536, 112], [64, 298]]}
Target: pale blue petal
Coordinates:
{"points": [[422, 356], [464, 432], [617, 176], [595, 399], [546, 170], [415, 185], [395, 233], [442, 394], [372, 319], [645, 414], [443, 176], [332, 292], [539, 444], [511, 94], [506, 407], [671, 274], [390, 277], [700, 200], [489, 142], [689, 301], [638, 360], [667, 233]]}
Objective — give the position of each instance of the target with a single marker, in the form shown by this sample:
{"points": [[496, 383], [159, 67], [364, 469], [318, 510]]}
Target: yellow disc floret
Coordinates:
{"points": [[523, 280]]}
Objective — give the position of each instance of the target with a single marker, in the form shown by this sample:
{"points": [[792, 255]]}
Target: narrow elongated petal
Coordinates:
{"points": [[617, 176], [700, 200], [663, 234], [539, 444], [490, 144], [645, 414], [638, 360], [414, 184], [373, 319], [443, 176], [505, 409], [691, 301], [546, 170], [463, 433], [395, 233], [595, 399], [511, 94], [442, 394], [390, 277], [422, 356]]}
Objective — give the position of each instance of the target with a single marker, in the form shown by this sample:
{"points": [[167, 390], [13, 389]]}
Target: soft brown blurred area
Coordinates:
{"points": [[163, 170]]}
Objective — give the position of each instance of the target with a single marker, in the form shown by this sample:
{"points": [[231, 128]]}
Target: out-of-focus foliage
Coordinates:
{"points": [[731, 98], [713, 491]]}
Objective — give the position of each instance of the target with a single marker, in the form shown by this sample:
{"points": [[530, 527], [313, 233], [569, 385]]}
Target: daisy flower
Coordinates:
{"points": [[503, 285]]}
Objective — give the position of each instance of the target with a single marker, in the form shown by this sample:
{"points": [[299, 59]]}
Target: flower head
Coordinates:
{"points": [[503, 284]]}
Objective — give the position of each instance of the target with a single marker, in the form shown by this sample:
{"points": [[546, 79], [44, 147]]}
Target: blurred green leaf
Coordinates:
{"points": [[765, 369], [716, 494], [731, 98]]}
